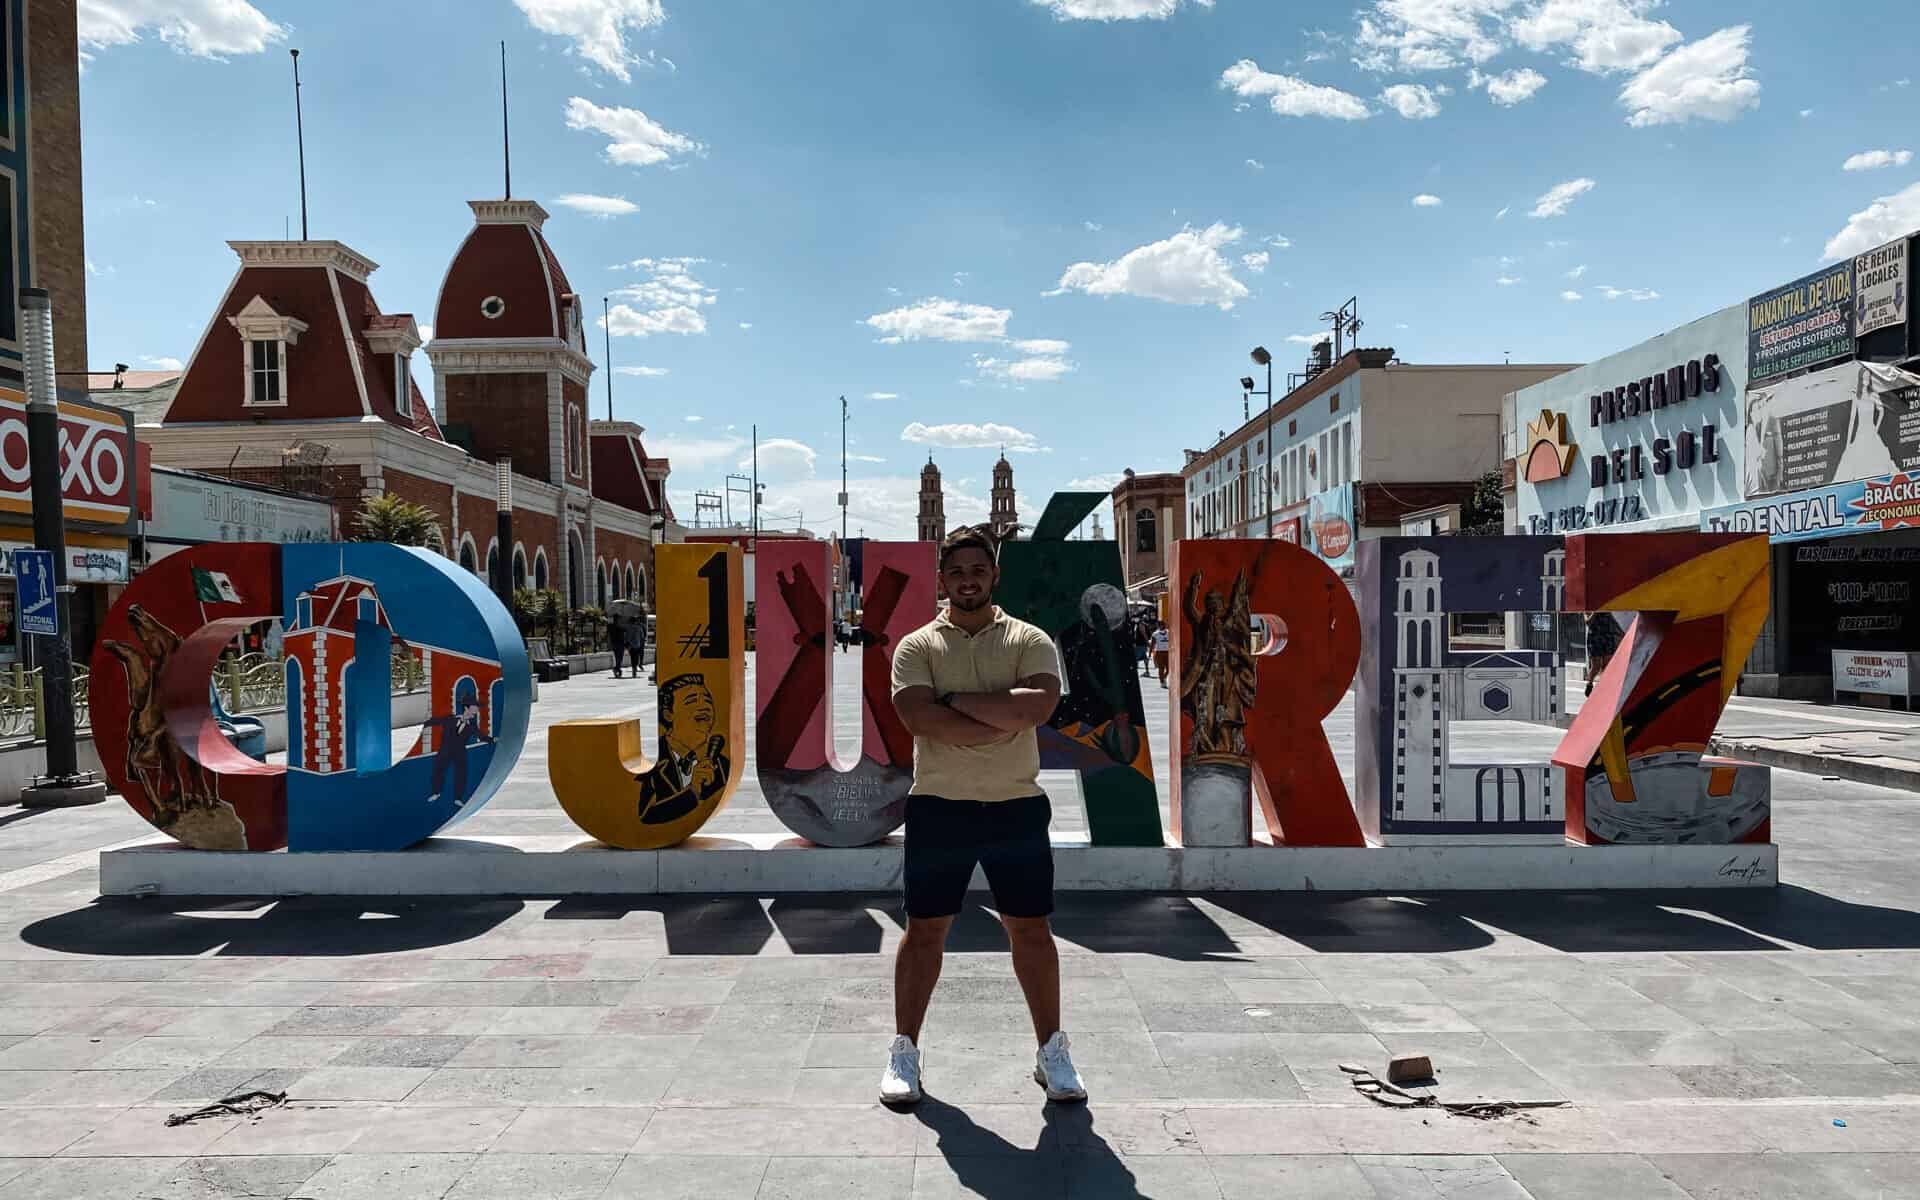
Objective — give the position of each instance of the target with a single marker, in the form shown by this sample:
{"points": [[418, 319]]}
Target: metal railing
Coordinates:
{"points": [[246, 683]]}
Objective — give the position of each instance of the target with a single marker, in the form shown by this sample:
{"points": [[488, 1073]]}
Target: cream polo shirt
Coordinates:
{"points": [[946, 658]]}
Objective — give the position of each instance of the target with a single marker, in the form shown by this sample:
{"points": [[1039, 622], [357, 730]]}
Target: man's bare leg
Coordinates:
{"points": [[1036, 964], [916, 969]]}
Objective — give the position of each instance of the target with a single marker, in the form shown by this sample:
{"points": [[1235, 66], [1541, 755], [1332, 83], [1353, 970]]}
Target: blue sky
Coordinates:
{"points": [[1057, 224]]}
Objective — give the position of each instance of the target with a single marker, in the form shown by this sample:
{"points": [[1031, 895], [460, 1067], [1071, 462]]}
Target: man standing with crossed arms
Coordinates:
{"points": [[972, 685]]}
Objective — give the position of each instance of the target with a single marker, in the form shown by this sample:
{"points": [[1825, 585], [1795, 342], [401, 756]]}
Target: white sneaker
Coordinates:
{"points": [[1053, 1070], [901, 1083]]}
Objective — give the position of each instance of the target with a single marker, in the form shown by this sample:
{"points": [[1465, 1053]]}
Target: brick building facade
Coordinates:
{"points": [[301, 380]]}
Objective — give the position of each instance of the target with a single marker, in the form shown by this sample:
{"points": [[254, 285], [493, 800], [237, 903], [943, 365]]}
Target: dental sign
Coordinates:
{"points": [[96, 461], [1645, 452]]}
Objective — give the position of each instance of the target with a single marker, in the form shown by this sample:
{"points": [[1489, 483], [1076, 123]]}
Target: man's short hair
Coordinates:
{"points": [[673, 687], [967, 537]]}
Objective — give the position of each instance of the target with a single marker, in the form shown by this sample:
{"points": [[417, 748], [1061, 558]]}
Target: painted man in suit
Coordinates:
{"points": [[693, 765]]}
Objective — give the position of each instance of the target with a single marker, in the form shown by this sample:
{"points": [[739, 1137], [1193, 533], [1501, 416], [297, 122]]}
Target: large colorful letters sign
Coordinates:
{"points": [[1412, 783], [598, 770], [1634, 761], [346, 608], [1249, 718], [1073, 591], [806, 785]]}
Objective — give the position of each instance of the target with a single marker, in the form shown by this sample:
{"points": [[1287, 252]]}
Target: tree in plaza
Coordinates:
{"points": [[1484, 512], [388, 518]]}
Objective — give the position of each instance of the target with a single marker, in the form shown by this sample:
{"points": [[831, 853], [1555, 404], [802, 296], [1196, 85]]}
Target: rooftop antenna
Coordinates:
{"points": [[300, 137], [506, 143]]}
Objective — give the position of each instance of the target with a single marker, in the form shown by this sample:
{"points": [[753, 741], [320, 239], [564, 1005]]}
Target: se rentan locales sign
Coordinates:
{"points": [[1880, 287]]}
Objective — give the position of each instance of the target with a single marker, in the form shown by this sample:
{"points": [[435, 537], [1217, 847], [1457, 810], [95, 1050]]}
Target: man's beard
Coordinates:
{"points": [[975, 605]]}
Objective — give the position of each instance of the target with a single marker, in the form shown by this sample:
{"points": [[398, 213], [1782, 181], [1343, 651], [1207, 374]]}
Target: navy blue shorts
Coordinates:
{"points": [[1008, 838]]}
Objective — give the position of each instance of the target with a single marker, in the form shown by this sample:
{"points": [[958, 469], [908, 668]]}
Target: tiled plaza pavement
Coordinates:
{"points": [[1709, 1043]]}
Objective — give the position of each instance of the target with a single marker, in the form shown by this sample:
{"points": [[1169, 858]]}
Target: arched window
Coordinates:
{"points": [[519, 568], [600, 584], [493, 559], [630, 593], [468, 560], [540, 569], [640, 593], [1146, 536]]}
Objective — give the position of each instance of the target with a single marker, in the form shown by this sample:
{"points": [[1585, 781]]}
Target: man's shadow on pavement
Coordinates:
{"points": [[1069, 1156]]}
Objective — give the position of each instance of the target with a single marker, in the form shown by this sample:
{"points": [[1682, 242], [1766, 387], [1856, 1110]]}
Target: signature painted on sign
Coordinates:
{"points": [[1745, 872]]}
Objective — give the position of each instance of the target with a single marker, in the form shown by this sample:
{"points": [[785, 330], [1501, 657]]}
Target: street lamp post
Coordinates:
{"points": [[1262, 358], [503, 525]]}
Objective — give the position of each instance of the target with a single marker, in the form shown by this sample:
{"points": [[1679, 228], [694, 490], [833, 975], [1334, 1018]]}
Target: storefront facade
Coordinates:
{"points": [[1832, 468]]}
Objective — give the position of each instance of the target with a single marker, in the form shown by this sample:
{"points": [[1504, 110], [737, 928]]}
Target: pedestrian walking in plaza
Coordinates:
{"points": [[1142, 643], [627, 634], [971, 685], [1603, 638], [1162, 646]]}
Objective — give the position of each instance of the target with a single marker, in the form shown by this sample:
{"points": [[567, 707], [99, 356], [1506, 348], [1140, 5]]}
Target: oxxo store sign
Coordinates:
{"points": [[1638, 438]]}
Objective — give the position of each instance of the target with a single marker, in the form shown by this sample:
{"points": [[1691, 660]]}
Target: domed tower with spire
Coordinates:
{"points": [[510, 370], [1003, 513], [933, 504]]}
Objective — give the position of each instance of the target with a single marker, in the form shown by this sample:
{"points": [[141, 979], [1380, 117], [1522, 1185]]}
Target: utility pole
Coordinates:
{"points": [[300, 138], [64, 785], [606, 323], [753, 538]]}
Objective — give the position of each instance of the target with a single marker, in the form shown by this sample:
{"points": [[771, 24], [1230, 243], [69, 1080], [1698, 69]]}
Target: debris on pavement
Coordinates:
{"points": [[1410, 1068], [1380, 1092], [240, 1104]]}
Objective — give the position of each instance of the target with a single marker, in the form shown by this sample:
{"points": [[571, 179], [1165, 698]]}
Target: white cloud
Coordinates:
{"points": [[668, 300], [1502, 214], [1603, 35], [782, 459], [163, 362], [883, 395], [633, 138], [1507, 280], [1280, 242], [1509, 88], [1805, 113], [1310, 339], [865, 458], [1873, 160], [1094, 483], [1427, 200], [1115, 10], [968, 436], [1707, 79], [1186, 268], [1570, 294], [1413, 101], [1042, 346], [1292, 97], [1880, 222], [941, 320], [1427, 35], [1092, 227], [598, 28], [1577, 272], [1256, 261], [1554, 201], [602, 207], [1614, 293], [694, 454], [426, 333], [1043, 369], [695, 417], [1256, 164], [643, 372], [202, 28], [746, 324]]}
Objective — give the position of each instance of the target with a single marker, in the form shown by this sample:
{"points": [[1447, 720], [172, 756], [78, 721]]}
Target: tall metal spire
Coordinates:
{"points": [[300, 137], [506, 142]]}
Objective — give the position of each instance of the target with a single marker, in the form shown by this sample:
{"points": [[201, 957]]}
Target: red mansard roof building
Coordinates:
{"points": [[301, 379]]}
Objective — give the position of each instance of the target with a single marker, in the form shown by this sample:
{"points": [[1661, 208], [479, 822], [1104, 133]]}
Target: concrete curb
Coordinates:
{"points": [[1840, 766]]}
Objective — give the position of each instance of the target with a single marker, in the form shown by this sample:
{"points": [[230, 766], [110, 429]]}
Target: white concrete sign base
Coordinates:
{"points": [[762, 864]]}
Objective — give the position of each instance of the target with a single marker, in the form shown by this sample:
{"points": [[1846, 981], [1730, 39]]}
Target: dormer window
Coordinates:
{"points": [[265, 337], [396, 336]]}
